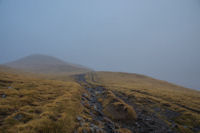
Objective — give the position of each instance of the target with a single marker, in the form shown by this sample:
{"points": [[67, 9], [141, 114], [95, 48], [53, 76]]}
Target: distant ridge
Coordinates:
{"points": [[45, 64]]}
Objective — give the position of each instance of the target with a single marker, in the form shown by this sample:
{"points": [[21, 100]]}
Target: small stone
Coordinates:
{"points": [[95, 107], [81, 124], [92, 125], [84, 131], [92, 95], [85, 95], [89, 89], [79, 118], [110, 126], [174, 125], [92, 130], [116, 125], [17, 88], [18, 117], [184, 126], [83, 99], [3, 96], [148, 119]]}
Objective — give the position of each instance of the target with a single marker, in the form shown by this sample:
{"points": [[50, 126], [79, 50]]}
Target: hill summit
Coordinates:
{"points": [[45, 64]]}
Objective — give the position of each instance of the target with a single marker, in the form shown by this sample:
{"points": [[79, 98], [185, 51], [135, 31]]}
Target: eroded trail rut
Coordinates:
{"points": [[97, 122], [98, 117]]}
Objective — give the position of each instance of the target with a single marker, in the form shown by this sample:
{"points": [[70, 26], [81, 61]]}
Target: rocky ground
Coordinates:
{"points": [[97, 122]]}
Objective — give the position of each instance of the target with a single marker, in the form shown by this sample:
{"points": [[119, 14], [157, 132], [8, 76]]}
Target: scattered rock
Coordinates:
{"points": [[82, 124], [97, 92], [99, 123], [110, 126], [99, 113], [196, 129], [170, 114], [83, 99], [157, 109], [85, 95], [84, 131], [95, 107], [174, 125], [18, 117], [185, 126], [148, 119], [17, 88], [79, 118], [3, 95]]}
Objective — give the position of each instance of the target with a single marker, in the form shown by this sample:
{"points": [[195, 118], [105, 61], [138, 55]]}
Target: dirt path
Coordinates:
{"points": [[99, 123], [147, 122]]}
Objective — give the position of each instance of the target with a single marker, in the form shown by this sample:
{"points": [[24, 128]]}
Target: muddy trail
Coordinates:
{"points": [[98, 122]]}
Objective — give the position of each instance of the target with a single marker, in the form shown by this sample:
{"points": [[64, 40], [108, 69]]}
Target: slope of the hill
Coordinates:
{"points": [[32, 105], [4, 68], [154, 101], [44, 64], [101, 102]]}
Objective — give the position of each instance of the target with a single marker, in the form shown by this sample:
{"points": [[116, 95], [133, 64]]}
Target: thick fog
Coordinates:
{"points": [[158, 38]]}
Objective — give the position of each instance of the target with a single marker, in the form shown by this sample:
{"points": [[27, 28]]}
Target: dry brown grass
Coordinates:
{"points": [[50, 103], [113, 106], [33, 104]]}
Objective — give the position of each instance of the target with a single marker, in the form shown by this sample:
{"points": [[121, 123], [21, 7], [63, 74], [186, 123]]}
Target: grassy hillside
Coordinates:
{"points": [[44, 64], [176, 105], [31, 105], [51, 102]]}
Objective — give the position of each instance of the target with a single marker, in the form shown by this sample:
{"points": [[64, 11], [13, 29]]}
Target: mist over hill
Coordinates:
{"points": [[139, 66], [45, 64]]}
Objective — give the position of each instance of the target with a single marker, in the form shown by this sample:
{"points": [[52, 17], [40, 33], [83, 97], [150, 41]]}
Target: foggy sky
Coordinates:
{"points": [[159, 38]]}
